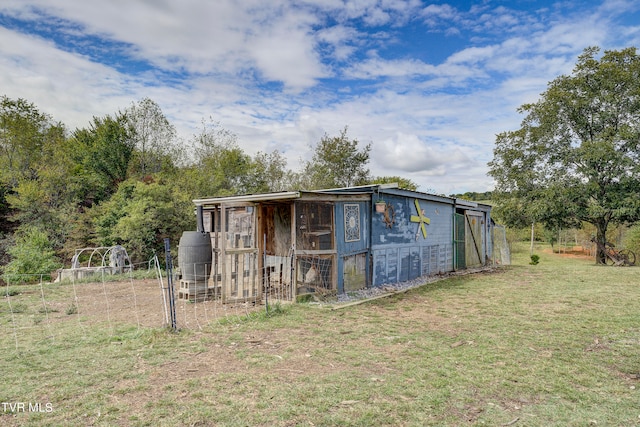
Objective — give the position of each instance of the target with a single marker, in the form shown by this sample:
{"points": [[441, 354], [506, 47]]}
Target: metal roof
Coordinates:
{"points": [[391, 189], [248, 198]]}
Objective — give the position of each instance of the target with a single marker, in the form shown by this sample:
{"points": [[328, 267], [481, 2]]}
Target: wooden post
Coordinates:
{"points": [[532, 236]]}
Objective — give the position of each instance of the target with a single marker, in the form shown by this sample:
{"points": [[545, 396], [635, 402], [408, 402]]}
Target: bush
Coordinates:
{"points": [[632, 239], [31, 256], [535, 259]]}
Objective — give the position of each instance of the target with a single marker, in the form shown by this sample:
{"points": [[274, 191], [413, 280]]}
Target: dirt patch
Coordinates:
{"points": [[574, 253]]}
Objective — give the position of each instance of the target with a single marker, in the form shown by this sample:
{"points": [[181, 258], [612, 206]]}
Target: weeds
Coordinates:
{"points": [[11, 292], [72, 309], [551, 344]]}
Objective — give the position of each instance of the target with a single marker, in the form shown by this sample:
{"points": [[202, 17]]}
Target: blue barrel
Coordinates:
{"points": [[194, 256]]}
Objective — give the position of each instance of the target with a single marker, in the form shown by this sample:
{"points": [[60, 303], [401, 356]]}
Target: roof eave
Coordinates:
{"points": [[287, 195]]}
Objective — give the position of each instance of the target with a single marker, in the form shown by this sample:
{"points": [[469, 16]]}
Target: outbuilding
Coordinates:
{"points": [[284, 244]]}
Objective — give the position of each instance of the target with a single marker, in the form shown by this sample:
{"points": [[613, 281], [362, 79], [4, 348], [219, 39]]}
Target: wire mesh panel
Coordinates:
{"points": [[278, 277], [315, 274], [501, 253], [240, 255], [314, 226]]}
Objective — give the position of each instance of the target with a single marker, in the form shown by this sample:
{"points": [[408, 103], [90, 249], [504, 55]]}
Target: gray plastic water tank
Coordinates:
{"points": [[194, 256]]}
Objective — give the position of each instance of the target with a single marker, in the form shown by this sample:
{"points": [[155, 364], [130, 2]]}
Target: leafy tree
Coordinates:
{"points": [[267, 173], [153, 137], [103, 153], [576, 156], [31, 255], [337, 162], [140, 215], [403, 183], [24, 133], [36, 190], [106, 215], [28, 141], [220, 166]]}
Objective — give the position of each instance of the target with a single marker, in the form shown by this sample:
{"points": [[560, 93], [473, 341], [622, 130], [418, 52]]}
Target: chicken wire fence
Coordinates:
{"points": [[501, 252], [34, 310]]}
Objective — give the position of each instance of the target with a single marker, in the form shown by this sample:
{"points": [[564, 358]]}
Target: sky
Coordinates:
{"points": [[428, 84]]}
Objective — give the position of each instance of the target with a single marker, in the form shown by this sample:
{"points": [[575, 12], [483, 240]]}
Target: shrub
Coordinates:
{"points": [[535, 259], [31, 256], [632, 239]]}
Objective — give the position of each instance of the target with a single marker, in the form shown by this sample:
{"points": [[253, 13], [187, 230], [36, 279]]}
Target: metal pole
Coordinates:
{"points": [[162, 289], [172, 303]]}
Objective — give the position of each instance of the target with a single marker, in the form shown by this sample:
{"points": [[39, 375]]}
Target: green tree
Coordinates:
{"points": [[34, 175], [31, 256], [576, 156], [103, 153], [267, 173], [220, 167], [28, 139], [404, 183], [24, 134], [140, 215], [337, 162], [153, 136]]}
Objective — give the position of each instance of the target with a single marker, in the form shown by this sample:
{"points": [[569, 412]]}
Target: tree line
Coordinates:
{"points": [[126, 178]]}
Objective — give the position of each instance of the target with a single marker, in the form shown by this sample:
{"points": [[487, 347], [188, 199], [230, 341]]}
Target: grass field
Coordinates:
{"points": [[553, 344]]}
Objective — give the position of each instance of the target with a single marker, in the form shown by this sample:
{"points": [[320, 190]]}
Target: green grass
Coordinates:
{"points": [[552, 344]]}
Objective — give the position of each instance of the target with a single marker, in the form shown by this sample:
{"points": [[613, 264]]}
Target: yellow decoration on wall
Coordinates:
{"points": [[421, 219]]}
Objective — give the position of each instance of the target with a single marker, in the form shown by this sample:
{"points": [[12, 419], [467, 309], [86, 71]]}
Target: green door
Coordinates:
{"points": [[459, 242]]}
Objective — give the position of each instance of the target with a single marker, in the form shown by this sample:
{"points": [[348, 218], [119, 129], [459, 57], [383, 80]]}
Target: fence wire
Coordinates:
{"points": [[35, 311], [501, 252]]}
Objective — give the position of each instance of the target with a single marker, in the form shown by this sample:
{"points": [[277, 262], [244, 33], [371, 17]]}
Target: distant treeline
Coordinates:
{"points": [[127, 178], [474, 196]]}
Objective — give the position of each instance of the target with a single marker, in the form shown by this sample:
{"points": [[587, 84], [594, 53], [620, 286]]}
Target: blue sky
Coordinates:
{"points": [[427, 83]]}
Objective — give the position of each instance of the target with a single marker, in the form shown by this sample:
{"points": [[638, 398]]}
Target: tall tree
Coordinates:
{"points": [[337, 162], [24, 133], [267, 173], [104, 152], [31, 182], [576, 156], [220, 166], [152, 134]]}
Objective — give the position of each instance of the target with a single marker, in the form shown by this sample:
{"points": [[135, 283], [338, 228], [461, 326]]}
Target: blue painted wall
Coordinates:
{"points": [[349, 248], [401, 252]]}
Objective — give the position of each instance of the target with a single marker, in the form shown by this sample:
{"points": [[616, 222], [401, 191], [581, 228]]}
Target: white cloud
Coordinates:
{"points": [[409, 154], [61, 84], [337, 63]]}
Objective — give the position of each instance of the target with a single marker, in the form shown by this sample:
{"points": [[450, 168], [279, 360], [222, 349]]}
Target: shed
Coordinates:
{"points": [[338, 240]]}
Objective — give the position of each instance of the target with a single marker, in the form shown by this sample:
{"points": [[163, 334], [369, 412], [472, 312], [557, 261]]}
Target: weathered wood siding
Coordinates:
{"points": [[400, 250]]}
